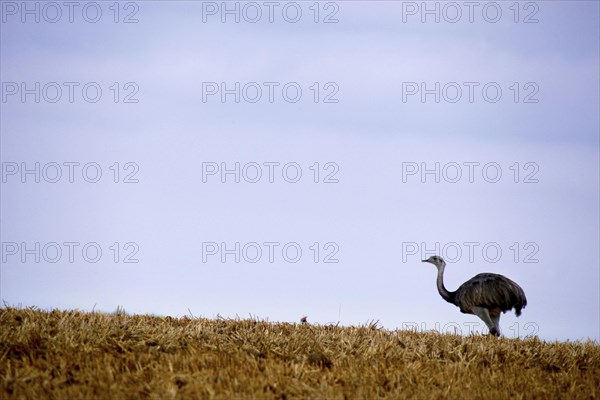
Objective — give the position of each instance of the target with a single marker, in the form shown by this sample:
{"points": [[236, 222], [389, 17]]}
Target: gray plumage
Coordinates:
{"points": [[485, 295]]}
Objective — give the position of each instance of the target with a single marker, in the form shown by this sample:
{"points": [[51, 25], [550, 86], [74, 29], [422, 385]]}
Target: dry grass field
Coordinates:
{"points": [[77, 355]]}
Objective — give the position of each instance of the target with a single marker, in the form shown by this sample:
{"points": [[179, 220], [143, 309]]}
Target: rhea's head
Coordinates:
{"points": [[436, 260]]}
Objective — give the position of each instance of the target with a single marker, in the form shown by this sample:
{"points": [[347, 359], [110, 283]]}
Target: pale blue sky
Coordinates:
{"points": [[368, 134]]}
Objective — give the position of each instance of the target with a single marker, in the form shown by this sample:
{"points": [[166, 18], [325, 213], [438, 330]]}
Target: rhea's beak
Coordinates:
{"points": [[424, 260]]}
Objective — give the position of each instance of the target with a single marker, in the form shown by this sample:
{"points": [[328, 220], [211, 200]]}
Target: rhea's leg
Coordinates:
{"points": [[484, 314], [496, 321]]}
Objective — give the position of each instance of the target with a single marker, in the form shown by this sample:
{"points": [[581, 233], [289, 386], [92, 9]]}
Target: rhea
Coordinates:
{"points": [[485, 295]]}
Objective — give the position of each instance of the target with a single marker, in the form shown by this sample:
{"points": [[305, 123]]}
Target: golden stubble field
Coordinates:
{"points": [[77, 355]]}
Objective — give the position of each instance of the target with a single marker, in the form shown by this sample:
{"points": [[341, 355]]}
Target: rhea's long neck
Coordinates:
{"points": [[448, 296]]}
